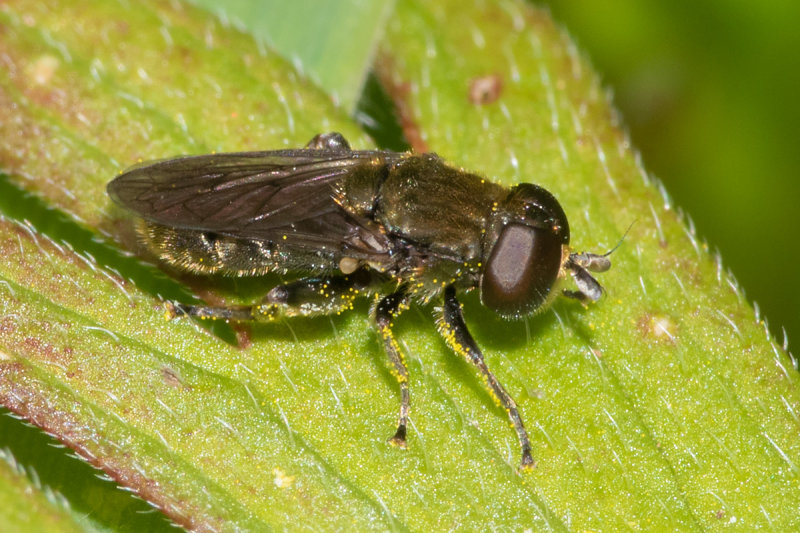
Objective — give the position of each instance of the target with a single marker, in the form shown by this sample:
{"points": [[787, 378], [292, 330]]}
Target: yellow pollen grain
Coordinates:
{"points": [[281, 480]]}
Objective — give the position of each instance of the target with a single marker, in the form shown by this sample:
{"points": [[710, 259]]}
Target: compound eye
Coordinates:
{"points": [[521, 270]]}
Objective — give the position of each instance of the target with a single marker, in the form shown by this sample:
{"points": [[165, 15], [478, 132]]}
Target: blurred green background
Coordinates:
{"points": [[709, 91]]}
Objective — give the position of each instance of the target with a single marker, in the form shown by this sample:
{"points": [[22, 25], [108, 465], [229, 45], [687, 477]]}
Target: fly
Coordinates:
{"points": [[398, 226]]}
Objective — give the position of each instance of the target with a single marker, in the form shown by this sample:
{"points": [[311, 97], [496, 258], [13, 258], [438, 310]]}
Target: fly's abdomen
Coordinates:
{"points": [[206, 252]]}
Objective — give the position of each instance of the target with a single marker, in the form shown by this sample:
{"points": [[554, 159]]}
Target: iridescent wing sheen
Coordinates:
{"points": [[269, 196]]}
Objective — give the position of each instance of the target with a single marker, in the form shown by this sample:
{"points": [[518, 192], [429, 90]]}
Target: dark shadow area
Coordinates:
{"points": [[55, 466], [375, 112], [494, 332], [18, 204]]}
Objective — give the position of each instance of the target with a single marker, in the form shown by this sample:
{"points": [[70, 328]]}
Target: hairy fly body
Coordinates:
{"points": [[400, 226]]}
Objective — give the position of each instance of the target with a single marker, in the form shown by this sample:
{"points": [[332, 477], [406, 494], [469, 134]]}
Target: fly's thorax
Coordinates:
{"points": [[439, 209], [524, 247], [357, 192]]}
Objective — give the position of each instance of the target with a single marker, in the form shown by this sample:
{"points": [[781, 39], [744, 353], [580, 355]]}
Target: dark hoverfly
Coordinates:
{"points": [[401, 226]]}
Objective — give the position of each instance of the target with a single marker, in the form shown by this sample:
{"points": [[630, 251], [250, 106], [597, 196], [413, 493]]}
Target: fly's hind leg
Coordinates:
{"points": [[457, 336], [385, 312], [304, 297]]}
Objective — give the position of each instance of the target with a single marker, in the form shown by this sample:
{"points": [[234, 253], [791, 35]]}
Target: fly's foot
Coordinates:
{"points": [[172, 310], [399, 438], [527, 464]]}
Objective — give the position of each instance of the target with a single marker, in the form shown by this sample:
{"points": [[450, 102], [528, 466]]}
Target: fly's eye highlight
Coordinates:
{"points": [[535, 206], [521, 270]]}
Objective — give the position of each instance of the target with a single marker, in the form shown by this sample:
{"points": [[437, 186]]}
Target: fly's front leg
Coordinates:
{"points": [[385, 312], [579, 266], [305, 297], [455, 333]]}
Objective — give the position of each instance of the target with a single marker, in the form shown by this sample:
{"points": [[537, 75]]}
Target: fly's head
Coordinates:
{"points": [[524, 249]]}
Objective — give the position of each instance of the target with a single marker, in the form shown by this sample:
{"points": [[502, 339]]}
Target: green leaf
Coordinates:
{"points": [[333, 41], [663, 407]]}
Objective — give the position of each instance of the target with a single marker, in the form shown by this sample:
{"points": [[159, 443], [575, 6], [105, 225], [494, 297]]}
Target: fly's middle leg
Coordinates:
{"points": [[304, 297], [385, 312]]}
